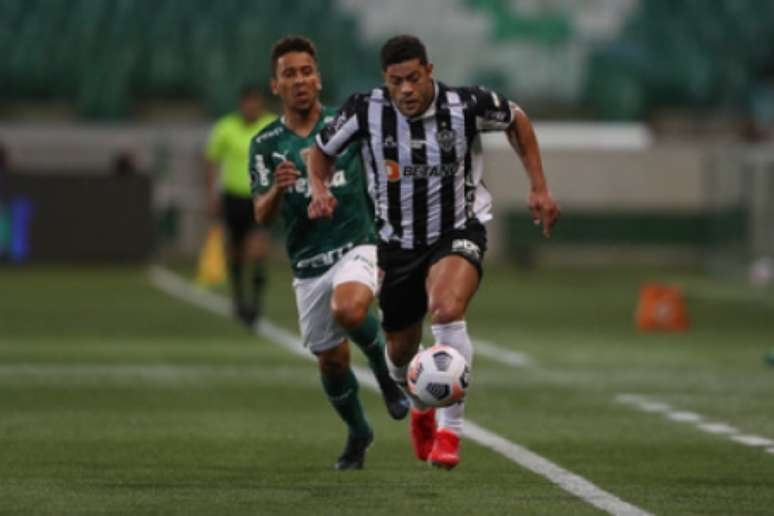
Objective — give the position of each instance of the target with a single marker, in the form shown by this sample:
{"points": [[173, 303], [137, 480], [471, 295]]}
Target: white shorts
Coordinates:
{"points": [[319, 330]]}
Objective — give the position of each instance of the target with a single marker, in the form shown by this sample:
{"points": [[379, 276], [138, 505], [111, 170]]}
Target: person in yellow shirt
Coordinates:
{"points": [[229, 199]]}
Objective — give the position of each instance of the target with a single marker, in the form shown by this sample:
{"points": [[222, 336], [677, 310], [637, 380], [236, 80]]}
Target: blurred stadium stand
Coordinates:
{"points": [[674, 53], [612, 59], [84, 81], [105, 56]]}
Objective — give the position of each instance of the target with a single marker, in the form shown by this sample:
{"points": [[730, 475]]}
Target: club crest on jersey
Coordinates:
{"points": [[389, 142], [446, 139]]}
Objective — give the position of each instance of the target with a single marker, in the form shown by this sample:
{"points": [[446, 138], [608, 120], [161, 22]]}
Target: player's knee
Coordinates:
{"points": [[446, 309], [349, 313], [333, 364]]}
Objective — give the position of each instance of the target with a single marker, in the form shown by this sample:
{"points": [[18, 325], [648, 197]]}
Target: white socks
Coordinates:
{"points": [[398, 375], [454, 334], [451, 417]]}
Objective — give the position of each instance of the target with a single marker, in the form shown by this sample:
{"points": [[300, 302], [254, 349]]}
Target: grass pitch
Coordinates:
{"points": [[115, 398]]}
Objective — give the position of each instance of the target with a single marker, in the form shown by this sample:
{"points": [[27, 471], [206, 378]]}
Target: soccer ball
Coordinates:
{"points": [[438, 376]]}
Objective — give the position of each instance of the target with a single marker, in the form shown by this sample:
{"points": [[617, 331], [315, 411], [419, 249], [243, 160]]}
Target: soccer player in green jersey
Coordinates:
{"points": [[333, 260], [228, 191]]}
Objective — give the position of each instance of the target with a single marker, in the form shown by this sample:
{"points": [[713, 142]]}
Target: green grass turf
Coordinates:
{"points": [[115, 398]]}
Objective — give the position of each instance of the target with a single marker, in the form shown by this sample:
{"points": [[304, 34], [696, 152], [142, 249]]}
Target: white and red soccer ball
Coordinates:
{"points": [[438, 376]]}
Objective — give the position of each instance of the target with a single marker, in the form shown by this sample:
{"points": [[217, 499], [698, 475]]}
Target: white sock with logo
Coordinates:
{"points": [[398, 375], [454, 334]]}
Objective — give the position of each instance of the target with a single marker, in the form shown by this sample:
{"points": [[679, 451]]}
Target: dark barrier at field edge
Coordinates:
{"points": [[59, 217]]}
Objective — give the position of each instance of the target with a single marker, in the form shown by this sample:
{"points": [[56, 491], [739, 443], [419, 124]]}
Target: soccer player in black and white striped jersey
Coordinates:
{"points": [[424, 164]]}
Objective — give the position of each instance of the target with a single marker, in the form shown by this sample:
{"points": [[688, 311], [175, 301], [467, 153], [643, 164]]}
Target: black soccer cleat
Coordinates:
{"points": [[247, 315], [354, 452], [395, 399]]}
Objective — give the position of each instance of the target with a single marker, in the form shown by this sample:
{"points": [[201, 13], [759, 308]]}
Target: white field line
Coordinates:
{"points": [[646, 404], [151, 371], [130, 374], [717, 428], [506, 356], [565, 479], [684, 417], [177, 287], [753, 440]]}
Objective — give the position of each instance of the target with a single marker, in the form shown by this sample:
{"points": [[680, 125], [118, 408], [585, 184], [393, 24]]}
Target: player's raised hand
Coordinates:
{"points": [[322, 205], [285, 175], [544, 210]]}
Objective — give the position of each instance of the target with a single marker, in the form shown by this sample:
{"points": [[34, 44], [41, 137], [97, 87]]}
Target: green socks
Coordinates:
{"points": [[342, 393], [258, 283], [370, 340]]}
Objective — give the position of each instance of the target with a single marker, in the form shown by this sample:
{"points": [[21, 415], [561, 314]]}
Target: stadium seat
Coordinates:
{"points": [[111, 54]]}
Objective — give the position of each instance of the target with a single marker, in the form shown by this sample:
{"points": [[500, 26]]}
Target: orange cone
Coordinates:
{"points": [[661, 308], [211, 270]]}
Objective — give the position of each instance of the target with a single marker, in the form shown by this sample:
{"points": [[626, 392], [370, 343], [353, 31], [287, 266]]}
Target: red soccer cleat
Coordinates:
{"points": [[422, 432], [446, 450]]}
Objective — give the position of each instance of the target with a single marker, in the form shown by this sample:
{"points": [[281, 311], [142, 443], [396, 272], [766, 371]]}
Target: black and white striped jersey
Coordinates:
{"points": [[424, 173]]}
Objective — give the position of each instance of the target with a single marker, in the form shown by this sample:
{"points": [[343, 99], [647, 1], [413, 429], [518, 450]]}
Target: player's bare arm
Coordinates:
{"points": [[522, 138], [267, 204], [320, 167]]}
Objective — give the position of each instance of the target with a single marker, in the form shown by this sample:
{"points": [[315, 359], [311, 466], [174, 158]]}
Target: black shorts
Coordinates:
{"points": [[402, 297], [239, 216]]}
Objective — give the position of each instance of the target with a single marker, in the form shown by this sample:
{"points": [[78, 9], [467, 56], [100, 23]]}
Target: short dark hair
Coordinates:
{"points": [[403, 48], [291, 44]]}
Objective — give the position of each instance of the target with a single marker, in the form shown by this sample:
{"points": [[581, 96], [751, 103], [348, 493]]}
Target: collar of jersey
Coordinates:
{"points": [[320, 121]]}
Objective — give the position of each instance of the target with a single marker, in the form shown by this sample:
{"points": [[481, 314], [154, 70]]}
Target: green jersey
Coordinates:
{"points": [[313, 245]]}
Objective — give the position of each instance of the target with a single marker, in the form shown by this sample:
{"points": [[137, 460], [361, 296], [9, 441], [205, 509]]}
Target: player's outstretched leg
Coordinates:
{"points": [[445, 452], [350, 309], [256, 246], [452, 282], [402, 347], [235, 281], [370, 340], [341, 387], [258, 284]]}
